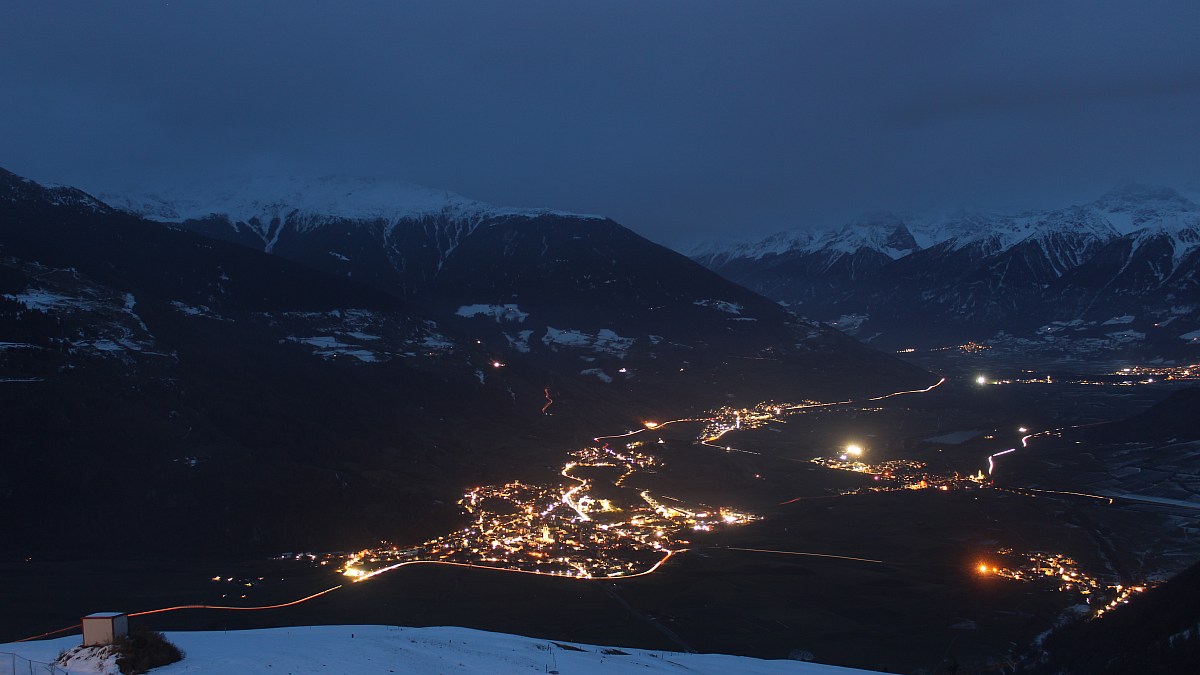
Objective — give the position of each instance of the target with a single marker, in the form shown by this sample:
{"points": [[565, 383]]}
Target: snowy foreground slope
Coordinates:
{"points": [[390, 649]]}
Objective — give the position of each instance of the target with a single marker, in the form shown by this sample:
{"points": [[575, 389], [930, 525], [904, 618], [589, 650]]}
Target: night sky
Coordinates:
{"points": [[679, 119]]}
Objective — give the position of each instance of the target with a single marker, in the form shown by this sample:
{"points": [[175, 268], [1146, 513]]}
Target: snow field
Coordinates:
{"points": [[360, 650]]}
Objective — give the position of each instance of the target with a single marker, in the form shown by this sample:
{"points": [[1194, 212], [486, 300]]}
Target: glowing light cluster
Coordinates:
{"points": [[563, 529], [1057, 569]]}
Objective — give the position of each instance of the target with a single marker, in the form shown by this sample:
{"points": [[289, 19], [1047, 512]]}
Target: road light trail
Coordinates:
{"points": [[1025, 440], [729, 448], [1069, 493], [73, 626], [228, 608], [239, 609], [566, 498], [991, 461], [810, 555], [258, 608], [651, 426], [911, 391], [390, 568]]}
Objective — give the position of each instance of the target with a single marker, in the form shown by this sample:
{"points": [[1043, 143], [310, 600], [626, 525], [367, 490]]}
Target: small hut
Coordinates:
{"points": [[104, 628]]}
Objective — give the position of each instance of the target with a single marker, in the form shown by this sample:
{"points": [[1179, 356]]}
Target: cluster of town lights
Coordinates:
{"points": [[895, 474], [592, 525], [1062, 571]]}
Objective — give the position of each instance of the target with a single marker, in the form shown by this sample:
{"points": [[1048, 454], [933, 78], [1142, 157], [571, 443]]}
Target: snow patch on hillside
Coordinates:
{"points": [[566, 338], [99, 660], [520, 341], [328, 347], [849, 323], [500, 313], [604, 341], [598, 373], [721, 306], [45, 301]]}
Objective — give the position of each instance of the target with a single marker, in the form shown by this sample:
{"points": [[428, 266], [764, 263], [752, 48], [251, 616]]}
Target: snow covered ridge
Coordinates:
{"points": [[390, 649], [269, 197], [1126, 210]]}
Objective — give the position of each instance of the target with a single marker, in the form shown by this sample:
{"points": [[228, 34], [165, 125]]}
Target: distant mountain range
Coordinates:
{"points": [[1118, 275], [348, 360]]}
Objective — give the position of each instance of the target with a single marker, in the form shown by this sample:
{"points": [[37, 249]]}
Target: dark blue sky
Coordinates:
{"points": [[679, 119]]}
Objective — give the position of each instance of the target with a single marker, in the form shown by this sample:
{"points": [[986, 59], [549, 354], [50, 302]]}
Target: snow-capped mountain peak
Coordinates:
{"points": [[263, 198], [756, 248], [1129, 196], [1124, 210], [883, 232], [1133, 206]]}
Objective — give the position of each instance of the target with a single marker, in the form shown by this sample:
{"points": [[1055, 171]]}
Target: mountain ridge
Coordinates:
{"points": [[258, 200], [971, 276]]}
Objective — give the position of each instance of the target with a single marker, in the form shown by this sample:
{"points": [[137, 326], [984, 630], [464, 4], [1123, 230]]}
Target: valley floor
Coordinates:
{"points": [[929, 548]]}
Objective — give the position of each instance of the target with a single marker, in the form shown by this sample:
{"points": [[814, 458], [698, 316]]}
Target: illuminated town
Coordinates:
{"points": [[1124, 377], [1191, 372], [970, 347], [726, 419], [896, 474], [1060, 570], [590, 526]]}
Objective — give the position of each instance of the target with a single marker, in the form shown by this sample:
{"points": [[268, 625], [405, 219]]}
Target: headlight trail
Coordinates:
{"points": [[239, 609], [810, 555], [912, 391]]}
